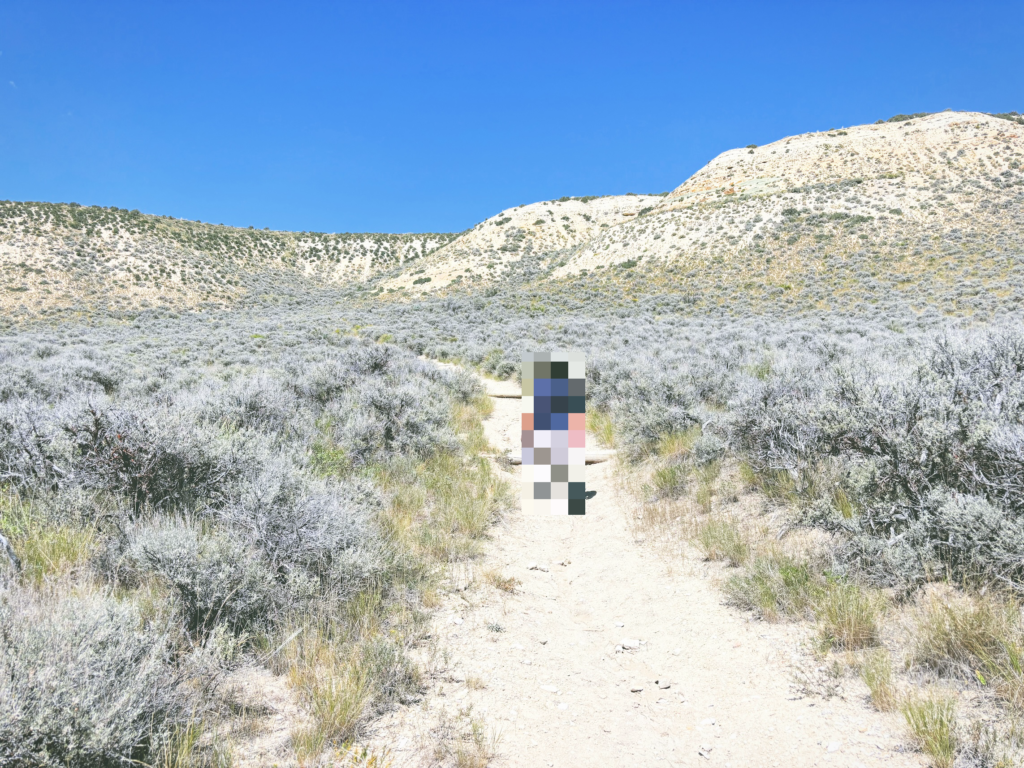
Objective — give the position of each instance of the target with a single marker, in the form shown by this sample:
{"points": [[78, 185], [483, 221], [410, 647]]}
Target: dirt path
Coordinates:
{"points": [[561, 694]]}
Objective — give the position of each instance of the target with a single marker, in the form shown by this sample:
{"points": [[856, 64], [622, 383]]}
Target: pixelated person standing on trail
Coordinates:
{"points": [[554, 433]]}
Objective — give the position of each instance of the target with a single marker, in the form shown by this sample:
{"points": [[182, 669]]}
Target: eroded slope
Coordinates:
{"points": [[905, 188], [486, 251]]}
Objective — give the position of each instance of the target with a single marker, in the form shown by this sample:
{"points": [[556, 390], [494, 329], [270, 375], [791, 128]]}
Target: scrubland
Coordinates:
{"points": [[219, 449], [885, 461], [187, 497]]}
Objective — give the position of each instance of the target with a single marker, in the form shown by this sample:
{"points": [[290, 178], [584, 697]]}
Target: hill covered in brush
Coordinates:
{"points": [[922, 211], [76, 257], [925, 210]]}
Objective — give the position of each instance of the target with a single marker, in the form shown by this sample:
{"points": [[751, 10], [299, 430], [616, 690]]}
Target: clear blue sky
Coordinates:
{"points": [[430, 116]]}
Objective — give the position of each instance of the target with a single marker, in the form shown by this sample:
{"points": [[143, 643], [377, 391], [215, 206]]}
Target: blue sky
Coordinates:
{"points": [[431, 116]]}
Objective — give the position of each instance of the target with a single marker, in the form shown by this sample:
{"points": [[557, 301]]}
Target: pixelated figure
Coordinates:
{"points": [[554, 433]]}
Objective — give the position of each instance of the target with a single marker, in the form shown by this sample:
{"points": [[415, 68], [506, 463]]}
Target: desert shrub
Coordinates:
{"points": [[28, 458], [707, 448], [379, 419], [83, 681], [260, 402], [930, 447], [945, 533], [301, 522], [162, 459], [507, 369], [643, 422], [215, 578]]}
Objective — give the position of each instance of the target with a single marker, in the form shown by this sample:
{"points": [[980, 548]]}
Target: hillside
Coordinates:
{"points": [[70, 256], [923, 210], [951, 177], [815, 219], [487, 250]]}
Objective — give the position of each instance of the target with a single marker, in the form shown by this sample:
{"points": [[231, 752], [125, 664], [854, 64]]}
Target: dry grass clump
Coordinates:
{"points": [[310, 751], [499, 581], [849, 615], [465, 496], [467, 418], [441, 507], [778, 585], [669, 480], [999, 744], [464, 740], [931, 719], [336, 693], [600, 425], [193, 745], [676, 446], [952, 632], [775, 585], [345, 672], [722, 538], [46, 548], [707, 476], [971, 636], [877, 673]]}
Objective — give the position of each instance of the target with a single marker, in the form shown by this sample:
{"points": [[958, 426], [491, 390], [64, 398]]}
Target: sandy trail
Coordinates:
{"points": [[562, 695]]}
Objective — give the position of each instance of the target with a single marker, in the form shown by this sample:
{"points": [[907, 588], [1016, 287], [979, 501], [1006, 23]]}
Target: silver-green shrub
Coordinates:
{"points": [[214, 577], [84, 681]]}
